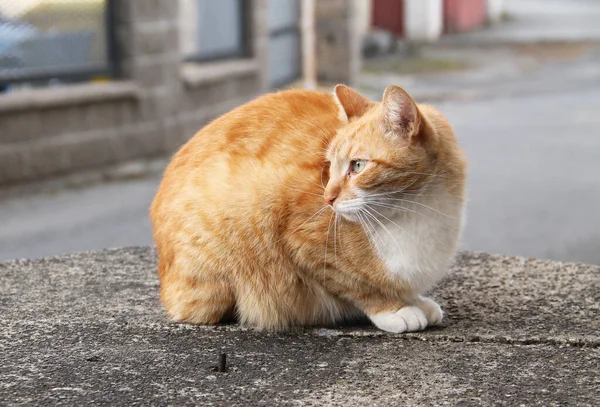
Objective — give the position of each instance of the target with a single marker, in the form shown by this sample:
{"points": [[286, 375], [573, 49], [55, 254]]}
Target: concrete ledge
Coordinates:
{"points": [[196, 74], [88, 329], [68, 95]]}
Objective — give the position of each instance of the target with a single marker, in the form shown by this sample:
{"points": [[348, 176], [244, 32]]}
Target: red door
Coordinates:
{"points": [[463, 15], [389, 15]]}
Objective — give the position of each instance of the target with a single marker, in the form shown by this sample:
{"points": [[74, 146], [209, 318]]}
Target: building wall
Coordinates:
{"points": [[338, 41], [157, 103], [464, 15], [494, 10], [389, 15], [423, 19], [188, 10], [364, 15]]}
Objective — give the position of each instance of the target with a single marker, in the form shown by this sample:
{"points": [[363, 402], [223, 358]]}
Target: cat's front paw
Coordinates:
{"points": [[432, 310], [406, 319]]}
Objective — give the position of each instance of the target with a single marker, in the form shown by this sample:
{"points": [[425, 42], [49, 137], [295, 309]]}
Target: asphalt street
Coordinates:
{"points": [[534, 187], [534, 177]]}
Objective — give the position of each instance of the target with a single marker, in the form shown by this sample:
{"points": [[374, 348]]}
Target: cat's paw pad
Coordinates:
{"points": [[406, 319], [432, 310]]}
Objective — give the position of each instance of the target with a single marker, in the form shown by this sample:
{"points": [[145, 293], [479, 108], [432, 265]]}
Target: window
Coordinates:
{"points": [[284, 44], [212, 29], [45, 42]]}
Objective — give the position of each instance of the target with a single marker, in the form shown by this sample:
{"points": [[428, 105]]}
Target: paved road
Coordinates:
{"points": [[543, 20], [534, 187], [105, 215]]}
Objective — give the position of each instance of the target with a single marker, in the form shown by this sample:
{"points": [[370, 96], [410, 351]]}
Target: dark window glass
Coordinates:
{"points": [[284, 44]]}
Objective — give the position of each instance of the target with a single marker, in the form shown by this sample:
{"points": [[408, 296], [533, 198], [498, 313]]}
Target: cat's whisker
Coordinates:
{"points": [[400, 195], [335, 221], [390, 206], [420, 192], [386, 218], [383, 194], [404, 209], [364, 227], [370, 237], [401, 191], [327, 244], [376, 234], [384, 227], [420, 204], [393, 193], [340, 235]]}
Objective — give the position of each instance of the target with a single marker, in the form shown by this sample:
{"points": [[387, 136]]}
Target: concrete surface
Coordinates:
{"points": [[88, 329]]}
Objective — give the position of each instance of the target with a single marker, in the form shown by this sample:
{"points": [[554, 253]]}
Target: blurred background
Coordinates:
{"points": [[95, 95]]}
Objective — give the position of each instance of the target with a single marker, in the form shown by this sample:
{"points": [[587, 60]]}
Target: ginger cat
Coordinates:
{"points": [[305, 208]]}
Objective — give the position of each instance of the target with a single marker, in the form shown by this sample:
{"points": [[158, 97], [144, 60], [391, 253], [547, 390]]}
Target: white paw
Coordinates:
{"points": [[406, 319], [431, 309]]}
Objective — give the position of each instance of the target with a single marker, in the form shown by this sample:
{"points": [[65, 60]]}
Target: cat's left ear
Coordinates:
{"points": [[351, 104], [400, 113]]}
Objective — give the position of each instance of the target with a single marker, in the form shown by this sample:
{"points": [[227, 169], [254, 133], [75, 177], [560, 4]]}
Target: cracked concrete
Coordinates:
{"points": [[88, 329]]}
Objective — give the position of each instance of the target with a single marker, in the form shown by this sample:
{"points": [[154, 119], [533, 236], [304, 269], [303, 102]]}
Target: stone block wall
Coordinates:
{"points": [[157, 101], [338, 41], [155, 105]]}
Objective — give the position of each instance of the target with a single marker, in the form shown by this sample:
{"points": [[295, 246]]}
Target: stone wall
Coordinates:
{"points": [[338, 41], [156, 104]]}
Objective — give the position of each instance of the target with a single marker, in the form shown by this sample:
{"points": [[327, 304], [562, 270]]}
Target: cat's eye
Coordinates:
{"points": [[357, 166]]}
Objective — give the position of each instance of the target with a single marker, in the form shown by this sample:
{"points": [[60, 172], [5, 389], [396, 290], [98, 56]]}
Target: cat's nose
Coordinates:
{"points": [[330, 199]]}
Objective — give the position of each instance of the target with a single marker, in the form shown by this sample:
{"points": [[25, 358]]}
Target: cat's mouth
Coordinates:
{"points": [[350, 209]]}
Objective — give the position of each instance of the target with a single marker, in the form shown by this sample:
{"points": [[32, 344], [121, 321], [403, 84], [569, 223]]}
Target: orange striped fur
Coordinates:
{"points": [[242, 227]]}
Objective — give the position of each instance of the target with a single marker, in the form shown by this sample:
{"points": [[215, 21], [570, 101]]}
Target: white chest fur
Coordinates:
{"points": [[417, 243]]}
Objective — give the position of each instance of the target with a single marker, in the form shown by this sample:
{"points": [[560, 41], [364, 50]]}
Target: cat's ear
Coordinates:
{"points": [[400, 113], [351, 104]]}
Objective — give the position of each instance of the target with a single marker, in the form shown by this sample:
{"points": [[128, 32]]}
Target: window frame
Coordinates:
{"points": [[244, 52], [77, 75]]}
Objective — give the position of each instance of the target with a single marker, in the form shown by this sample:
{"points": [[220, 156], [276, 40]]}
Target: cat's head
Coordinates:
{"points": [[383, 149]]}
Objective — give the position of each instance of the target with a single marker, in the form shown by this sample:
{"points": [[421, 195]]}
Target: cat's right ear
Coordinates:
{"points": [[400, 113], [351, 104]]}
